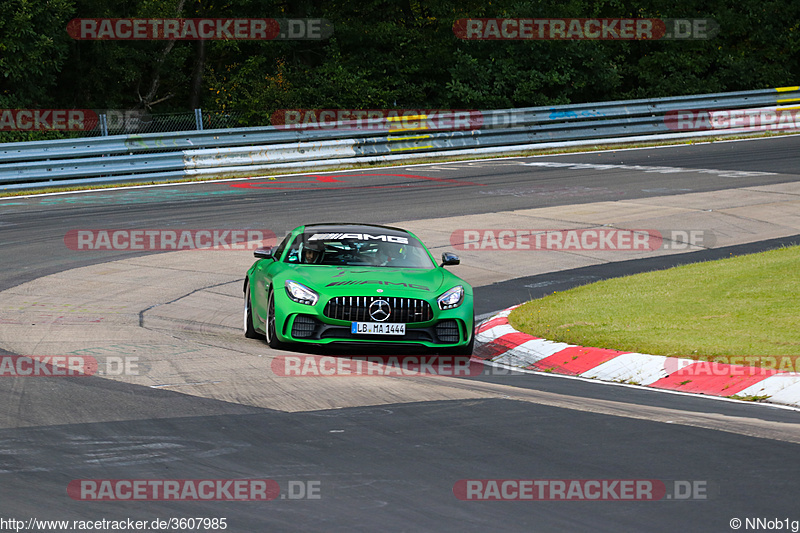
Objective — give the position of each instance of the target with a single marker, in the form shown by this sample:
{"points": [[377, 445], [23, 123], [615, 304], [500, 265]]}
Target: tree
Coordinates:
{"points": [[33, 50]]}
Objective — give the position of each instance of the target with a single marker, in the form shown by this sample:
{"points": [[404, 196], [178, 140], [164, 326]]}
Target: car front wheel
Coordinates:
{"points": [[249, 331], [272, 338]]}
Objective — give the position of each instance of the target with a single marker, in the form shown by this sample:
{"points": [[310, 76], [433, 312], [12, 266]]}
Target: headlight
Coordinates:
{"points": [[452, 298], [300, 293]]}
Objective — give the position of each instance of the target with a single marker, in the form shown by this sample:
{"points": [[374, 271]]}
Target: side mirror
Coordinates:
{"points": [[264, 253], [449, 258]]}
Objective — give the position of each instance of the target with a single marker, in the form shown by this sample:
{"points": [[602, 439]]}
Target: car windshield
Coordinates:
{"points": [[358, 249]]}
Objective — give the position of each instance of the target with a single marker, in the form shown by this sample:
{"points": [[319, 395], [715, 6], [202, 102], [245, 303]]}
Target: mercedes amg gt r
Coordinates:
{"points": [[356, 283]]}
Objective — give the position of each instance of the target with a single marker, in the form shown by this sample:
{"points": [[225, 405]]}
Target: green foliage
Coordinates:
{"points": [[386, 54], [33, 49]]}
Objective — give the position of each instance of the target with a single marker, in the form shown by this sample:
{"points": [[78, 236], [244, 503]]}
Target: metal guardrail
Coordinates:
{"points": [[243, 151]]}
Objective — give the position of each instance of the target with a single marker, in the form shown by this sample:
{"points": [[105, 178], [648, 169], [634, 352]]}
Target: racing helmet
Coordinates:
{"points": [[311, 252]]}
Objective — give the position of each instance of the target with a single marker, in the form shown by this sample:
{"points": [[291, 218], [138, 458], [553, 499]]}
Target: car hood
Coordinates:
{"points": [[361, 281]]}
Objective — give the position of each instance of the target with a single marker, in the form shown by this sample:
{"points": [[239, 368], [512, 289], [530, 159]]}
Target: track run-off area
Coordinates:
{"points": [[180, 394]]}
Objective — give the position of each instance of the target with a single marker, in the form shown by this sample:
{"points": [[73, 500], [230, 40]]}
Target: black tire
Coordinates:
{"points": [[466, 351], [272, 338], [470, 347], [249, 330]]}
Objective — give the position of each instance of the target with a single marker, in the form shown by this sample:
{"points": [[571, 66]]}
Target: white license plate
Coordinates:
{"points": [[377, 328]]}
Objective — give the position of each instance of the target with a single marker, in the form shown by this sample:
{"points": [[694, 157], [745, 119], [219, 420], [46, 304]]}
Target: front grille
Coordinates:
{"points": [[447, 331], [303, 326], [356, 309]]}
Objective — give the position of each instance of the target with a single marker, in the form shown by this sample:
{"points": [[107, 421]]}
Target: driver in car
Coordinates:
{"points": [[389, 254], [312, 252]]}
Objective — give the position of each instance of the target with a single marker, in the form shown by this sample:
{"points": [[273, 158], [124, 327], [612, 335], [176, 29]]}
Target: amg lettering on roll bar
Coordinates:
{"points": [[358, 236]]}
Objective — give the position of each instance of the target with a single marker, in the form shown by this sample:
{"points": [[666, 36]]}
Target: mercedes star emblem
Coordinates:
{"points": [[379, 310]]}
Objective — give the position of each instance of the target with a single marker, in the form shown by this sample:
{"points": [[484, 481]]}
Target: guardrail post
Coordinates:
{"points": [[198, 119], [103, 125]]}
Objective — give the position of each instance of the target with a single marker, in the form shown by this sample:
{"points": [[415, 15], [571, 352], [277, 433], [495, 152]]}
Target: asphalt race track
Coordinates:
{"points": [[382, 453]]}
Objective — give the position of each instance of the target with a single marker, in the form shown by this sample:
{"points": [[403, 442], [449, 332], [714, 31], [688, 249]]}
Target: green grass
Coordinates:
{"points": [[740, 306]]}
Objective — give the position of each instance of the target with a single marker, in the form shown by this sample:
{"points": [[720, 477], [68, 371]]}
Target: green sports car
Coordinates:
{"points": [[356, 283]]}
